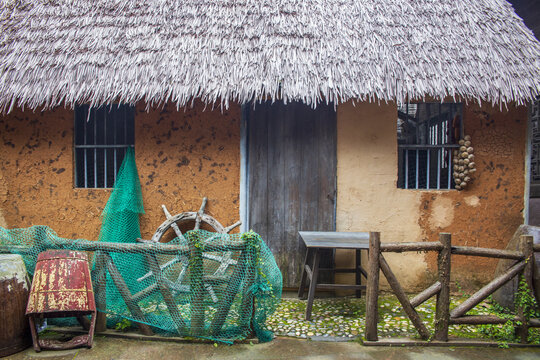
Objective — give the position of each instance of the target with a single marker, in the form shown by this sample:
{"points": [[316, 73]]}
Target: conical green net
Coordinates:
{"points": [[201, 284]]}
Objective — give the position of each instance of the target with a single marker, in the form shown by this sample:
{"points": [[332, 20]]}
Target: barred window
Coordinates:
{"points": [[102, 136], [427, 133]]}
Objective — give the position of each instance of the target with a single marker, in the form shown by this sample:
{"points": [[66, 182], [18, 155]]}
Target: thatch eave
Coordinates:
{"points": [[56, 52]]}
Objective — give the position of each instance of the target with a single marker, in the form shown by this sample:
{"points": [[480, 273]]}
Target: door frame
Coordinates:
{"points": [[244, 167]]}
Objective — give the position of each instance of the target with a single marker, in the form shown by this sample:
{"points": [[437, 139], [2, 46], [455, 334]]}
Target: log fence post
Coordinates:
{"points": [[372, 291], [526, 247], [442, 312]]}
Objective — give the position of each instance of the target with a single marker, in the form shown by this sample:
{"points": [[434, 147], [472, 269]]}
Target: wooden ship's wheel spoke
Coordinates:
{"points": [[223, 259]]}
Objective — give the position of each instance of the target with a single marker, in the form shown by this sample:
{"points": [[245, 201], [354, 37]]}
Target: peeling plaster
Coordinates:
{"points": [[442, 213], [12, 269]]}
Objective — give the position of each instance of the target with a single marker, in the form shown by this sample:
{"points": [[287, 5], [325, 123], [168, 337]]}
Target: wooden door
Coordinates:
{"points": [[292, 178]]}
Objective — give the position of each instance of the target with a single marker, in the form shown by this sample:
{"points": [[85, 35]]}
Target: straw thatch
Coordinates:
{"points": [[68, 51]]}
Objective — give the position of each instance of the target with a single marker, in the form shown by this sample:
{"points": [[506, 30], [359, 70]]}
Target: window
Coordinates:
{"points": [[102, 136], [427, 133]]}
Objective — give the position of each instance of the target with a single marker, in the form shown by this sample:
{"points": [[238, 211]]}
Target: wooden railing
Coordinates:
{"points": [[441, 288], [104, 263]]}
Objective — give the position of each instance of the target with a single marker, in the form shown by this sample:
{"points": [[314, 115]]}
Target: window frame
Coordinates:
{"points": [[444, 149], [89, 114]]}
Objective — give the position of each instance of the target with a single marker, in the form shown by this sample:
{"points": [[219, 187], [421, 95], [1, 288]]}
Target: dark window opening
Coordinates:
{"points": [[427, 134], [102, 136]]}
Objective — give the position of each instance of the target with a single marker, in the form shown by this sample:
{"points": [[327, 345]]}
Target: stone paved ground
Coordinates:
{"points": [[280, 348]]}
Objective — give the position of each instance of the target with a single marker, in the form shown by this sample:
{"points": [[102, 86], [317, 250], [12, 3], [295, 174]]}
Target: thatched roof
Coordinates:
{"points": [[66, 51]]}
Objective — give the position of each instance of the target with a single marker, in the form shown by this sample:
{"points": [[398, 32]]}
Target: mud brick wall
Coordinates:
{"points": [[182, 155]]}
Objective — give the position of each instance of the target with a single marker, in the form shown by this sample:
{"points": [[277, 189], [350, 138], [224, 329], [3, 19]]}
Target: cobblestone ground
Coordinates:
{"points": [[344, 319]]}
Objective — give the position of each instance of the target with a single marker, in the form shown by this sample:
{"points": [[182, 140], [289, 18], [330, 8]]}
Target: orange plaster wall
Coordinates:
{"points": [[181, 157], [485, 214], [489, 211]]}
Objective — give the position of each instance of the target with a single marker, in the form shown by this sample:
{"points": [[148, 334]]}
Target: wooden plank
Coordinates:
{"points": [[257, 169], [336, 240], [327, 166], [403, 299], [442, 311], [309, 185], [372, 293], [292, 147], [277, 182], [484, 292]]}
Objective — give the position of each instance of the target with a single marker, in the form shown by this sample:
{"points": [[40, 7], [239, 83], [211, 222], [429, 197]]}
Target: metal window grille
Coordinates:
{"points": [[427, 135], [102, 136]]}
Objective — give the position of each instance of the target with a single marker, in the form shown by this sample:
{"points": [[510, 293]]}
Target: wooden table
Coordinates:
{"points": [[316, 240]]}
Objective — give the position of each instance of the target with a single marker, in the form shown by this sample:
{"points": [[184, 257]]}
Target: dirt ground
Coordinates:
{"points": [[280, 348]]}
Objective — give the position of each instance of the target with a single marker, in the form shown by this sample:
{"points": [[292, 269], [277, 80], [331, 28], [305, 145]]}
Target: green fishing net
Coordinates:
{"points": [[200, 284]]}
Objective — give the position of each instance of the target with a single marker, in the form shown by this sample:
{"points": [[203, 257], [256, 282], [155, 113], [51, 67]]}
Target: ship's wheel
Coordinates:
{"points": [[180, 262]]}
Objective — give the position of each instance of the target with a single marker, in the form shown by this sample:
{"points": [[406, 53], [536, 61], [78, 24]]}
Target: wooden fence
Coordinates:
{"points": [[244, 271], [524, 262]]}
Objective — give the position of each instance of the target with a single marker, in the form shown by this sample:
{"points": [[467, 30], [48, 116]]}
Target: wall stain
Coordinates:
{"points": [[498, 185]]}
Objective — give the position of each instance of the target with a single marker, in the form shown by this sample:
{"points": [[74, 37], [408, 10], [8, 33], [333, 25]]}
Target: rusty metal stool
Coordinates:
{"points": [[61, 288]]}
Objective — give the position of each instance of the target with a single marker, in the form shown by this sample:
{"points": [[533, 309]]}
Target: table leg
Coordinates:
{"points": [[313, 283], [358, 272], [303, 279]]}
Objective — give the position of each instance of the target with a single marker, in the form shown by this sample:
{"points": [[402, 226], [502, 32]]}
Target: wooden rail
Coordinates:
{"points": [[441, 288]]}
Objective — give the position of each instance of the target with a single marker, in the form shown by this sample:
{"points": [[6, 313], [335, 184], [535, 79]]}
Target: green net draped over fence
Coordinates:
{"points": [[201, 284], [120, 224], [205, 284]]}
